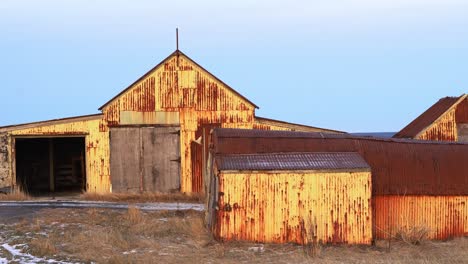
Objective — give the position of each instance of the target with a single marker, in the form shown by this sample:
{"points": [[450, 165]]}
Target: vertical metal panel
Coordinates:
{"points": [[269, 207], [97, 147], [443, 216], [398, 166], [445, 129], [461, 114], [181, 86]]}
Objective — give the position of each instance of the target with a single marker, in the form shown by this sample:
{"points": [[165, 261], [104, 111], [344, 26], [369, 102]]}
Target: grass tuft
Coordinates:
{"points": [[16, 194]]}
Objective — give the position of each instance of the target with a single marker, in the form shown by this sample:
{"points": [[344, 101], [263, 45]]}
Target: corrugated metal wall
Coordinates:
{"points": [[444, 129], [96, 144], [269, 207], [442, 216], [398, 166], [180, 92], [423, 181]]}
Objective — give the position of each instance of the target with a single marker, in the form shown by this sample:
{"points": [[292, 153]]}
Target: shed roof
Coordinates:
{"points": [[292, 161], [176, 53], [431, 115]]}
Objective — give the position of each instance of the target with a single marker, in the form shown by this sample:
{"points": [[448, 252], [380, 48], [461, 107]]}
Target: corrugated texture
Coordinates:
{"points": [[271, 124], [283, 207], [398, 166], [444, 129], [291, 161], [427, 119], [96, 142], [181, 88], [443, 216], [462, 112], [180, 91]]}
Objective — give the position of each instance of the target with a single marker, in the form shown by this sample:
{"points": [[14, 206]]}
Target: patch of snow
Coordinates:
{"points": [[25, 258]]}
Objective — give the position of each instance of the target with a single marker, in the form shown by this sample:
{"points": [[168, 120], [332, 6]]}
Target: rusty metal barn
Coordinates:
{"points": [[150, 137], [415, 183], [446, 120], [291, 197]]}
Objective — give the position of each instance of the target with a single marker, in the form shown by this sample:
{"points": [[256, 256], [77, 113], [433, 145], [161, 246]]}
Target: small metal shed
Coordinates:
{"points": [[291, 197]]}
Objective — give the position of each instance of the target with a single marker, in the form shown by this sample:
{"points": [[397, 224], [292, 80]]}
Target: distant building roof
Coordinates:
{"points": [[426, 119], [292, 161]]}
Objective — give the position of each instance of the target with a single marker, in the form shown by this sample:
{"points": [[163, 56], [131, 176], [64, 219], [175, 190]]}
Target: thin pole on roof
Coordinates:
{"points": [[177, 38]]}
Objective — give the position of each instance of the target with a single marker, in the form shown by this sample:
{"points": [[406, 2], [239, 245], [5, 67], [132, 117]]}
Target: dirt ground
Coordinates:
{"points": [[133, 236]]}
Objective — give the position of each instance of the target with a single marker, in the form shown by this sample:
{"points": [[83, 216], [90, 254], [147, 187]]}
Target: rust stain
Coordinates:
{"points": [[96, 145], [443, 216], [183, 92], [399, 166], [272, 207]]}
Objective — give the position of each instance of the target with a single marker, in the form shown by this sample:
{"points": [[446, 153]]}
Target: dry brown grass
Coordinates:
{"points": [[134, 236], [141, 198], [413, 235], [42, 247], [16, 194]]}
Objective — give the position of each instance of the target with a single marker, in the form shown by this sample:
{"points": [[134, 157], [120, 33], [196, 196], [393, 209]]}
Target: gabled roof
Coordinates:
{"points": [[292, 161], [176, 53], [430, 116]]}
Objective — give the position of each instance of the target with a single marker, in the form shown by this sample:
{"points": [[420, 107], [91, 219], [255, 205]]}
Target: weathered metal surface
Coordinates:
{"points": [[181, 91], [291, 161], [290, 206], [443, 217], [444, 129], [145, 159], [148, 118], [272, 124], [461, 114], [398, 166], [5, 180], [96, 145], [439, 121], [462, 132]]}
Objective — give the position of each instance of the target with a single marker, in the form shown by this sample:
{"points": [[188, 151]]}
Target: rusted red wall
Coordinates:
{"points": [[442, 216], [461, 114], [398, 166]]}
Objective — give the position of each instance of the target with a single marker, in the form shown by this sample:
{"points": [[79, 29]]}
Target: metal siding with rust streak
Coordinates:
{"points": [[179, 85], [444, 129], [398, 166], [461, 114], [444, 216], [96, 145], [269, 207]]}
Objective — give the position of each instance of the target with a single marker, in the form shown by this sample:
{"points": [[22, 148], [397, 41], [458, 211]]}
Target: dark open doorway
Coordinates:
{"points": [[45, 165]]}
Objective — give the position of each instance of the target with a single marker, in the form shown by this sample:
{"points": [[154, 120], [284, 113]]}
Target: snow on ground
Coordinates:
{"points": [[24, 258]]}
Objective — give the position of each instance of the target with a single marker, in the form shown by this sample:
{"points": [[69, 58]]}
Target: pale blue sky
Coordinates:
{"points": [[353, 65]]}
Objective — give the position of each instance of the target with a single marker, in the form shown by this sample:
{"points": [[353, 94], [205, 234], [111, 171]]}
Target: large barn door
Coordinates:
{"points": [[145, 159]]}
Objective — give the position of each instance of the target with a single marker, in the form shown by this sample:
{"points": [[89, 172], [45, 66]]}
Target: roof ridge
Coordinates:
{"points": [[176, 52]]}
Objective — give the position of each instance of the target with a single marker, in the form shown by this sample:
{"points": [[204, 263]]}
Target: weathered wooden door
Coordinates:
{"points": [[145, 159]]}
